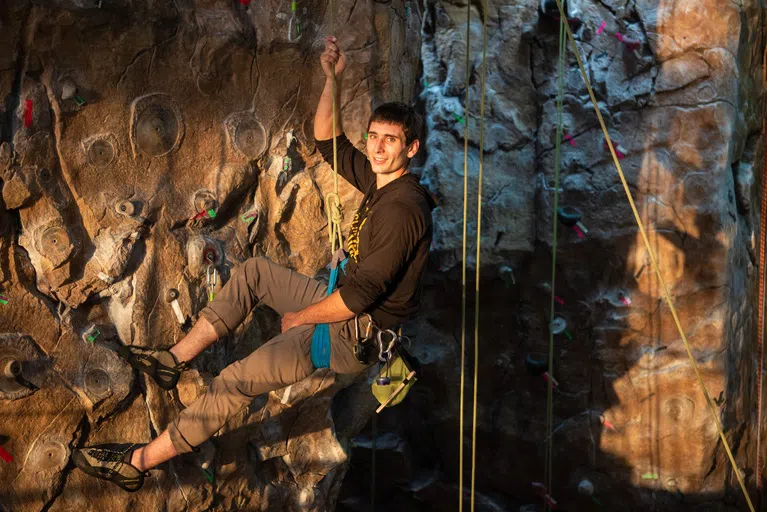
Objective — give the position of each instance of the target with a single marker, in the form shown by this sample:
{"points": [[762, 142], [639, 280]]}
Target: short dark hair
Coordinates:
{"points": [[399, 114]]}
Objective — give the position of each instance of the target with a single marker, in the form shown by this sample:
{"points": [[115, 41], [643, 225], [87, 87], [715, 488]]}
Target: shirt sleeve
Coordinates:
{"points": [[393, 242], [353, 165]]}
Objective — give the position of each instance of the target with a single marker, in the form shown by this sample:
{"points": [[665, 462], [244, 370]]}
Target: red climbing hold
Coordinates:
{"points": [[27, 113], [7, 457], [244, 2]]}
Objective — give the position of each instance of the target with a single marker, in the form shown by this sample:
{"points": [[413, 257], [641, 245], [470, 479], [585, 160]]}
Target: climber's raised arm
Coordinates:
{"points": [[323, 118], [353, 165]]}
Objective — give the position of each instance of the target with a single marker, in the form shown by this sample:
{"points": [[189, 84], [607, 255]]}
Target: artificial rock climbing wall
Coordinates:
{"points": [[147, 149], [679, 85], [127, 123]]}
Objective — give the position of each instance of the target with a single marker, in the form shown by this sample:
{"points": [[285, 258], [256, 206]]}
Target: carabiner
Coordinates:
{"points": [[387, 352]]}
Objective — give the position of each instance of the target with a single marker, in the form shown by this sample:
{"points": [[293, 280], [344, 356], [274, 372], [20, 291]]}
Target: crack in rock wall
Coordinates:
{"points": [[122, 126]]}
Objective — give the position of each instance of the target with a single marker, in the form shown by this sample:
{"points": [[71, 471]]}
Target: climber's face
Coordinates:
{"points": [[388, 150]]}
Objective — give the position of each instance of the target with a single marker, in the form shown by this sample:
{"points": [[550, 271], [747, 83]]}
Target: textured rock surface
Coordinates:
{"points": [[120, 123], [190, 105], [685, 108]]}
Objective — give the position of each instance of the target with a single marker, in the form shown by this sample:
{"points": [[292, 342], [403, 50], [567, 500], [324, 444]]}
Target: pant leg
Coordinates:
{"points": [[259, 280], [283, 360]]}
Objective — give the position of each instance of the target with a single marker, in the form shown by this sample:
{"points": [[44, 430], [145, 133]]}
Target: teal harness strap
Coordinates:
{"points": [[321, 335]]}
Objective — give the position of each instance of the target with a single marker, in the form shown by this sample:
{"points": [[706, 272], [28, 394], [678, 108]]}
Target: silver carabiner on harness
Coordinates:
{"points": [[385, 354], [368, 329]]}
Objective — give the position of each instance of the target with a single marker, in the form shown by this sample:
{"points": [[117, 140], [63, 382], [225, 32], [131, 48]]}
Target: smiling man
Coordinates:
{"points": [[388, 247]]}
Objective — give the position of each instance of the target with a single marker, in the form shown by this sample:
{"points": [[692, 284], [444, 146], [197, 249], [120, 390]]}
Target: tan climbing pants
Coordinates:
{"points": [[283, 360]]}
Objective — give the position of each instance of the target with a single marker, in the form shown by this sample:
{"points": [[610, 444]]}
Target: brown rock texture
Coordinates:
{"points": [[122, 121], [145, 115]]}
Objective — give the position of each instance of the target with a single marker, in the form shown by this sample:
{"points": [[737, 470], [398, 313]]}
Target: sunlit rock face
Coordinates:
{"points": [[123, 126], [679, 87]]}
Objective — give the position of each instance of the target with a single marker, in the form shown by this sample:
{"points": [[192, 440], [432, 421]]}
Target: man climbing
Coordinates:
{"points": [[388, 248]]}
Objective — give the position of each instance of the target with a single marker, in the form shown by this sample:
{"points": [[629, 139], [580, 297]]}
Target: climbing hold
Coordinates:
{"points": [[247, 135], [620, 152], [209, 472], [245, 2], [56, 245], [125, 208], [650, 476], [91, 333], [571, 217], [3, 300], [604, 421], [79, 100], [624, 299], [586, 488], [68, 89], [12, 369], [546, 186], [101, 153], [171, 296], [157, 127], [205, 214], [157, 130], [27, 113], [507, 274], [98, 382], [7, 457], [458, 118], [536, 364], [569, 139], [559, 326], [601, 28], [551, 380], [49, 455], [630, 44], [248, 217]]}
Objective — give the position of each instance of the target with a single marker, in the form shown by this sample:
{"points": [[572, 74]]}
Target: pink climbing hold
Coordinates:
{"points": [[551, 380], [569, 139], [27, 113], [578, 232], [601, 27], [559, 301]]}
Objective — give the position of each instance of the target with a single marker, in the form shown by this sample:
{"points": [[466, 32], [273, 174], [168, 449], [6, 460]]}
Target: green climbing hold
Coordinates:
{"points": [[208, 474], [212, 213], [458, 118]]}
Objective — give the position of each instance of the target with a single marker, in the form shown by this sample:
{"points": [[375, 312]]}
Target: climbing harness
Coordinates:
{"points": [[651, 254]]}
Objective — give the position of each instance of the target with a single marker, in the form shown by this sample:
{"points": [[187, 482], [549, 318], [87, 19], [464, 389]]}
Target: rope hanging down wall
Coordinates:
{"points": [[653, 260]]}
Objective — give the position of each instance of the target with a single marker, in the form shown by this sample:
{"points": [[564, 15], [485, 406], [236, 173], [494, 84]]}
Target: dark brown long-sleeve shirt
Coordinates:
{"points": [[388, 242]]}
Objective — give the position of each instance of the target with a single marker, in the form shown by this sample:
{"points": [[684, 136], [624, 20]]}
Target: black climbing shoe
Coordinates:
{"points": [[111, 462], [161, 365]]}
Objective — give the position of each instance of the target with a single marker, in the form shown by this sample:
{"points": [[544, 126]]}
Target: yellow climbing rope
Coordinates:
{"points": [[653, 260], [463, 266], [332, 199], [549, 458], [479, 244]]}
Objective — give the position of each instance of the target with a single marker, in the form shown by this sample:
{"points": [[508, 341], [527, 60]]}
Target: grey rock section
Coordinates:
{"points": [[685, 109]]}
